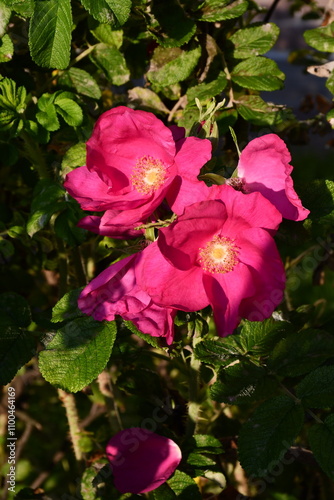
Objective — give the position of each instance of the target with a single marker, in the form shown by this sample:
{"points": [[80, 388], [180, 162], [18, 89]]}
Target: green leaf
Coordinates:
{"points": [[267, 435], [24, 8], [206, 443], [330, 84], [106, 34], [242, 382], [50, 33], [47, 116], [199, 460], [217, 10], [15, 309], [147, 99], [112, 62], [74, 157], [69, 110], [258, 73], [5, 13], [321, 438], [67, 307], [114, 12], [220, 352], [78, 353], [260, 337], [316, 390], [81, 81], [254, 40], [6, 49], [177, 28], [164, 492], [184, 486], [6, 248], [321, 38], [301, 352], [255, 110], [66, 226], [318, 197], [17, 347], [205, 91], [169, 66], [48, 199], [87, 490]]}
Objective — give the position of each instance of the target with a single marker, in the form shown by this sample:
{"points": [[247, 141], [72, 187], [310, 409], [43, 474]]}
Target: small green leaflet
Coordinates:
{"points": [[321, 438]]}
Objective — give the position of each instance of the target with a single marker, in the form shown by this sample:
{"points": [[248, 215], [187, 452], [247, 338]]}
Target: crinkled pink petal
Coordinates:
{"points": [[264, 167], [141, 460], [192, 154], [252, 210], [114, 291], [104, 226], [168, 286], [88, 189], [123, 135], [225, 293], [154, 320]]}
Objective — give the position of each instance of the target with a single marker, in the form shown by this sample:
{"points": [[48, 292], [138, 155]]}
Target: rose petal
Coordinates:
{"points": [[141, 460]]}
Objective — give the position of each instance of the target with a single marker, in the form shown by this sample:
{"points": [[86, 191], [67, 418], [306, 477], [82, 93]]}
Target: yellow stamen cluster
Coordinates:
{"points": [[148, 174], [219, 255]]}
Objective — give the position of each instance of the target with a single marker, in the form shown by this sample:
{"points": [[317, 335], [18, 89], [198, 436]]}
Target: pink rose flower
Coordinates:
{"points": [[133, 159], [264, 166], [141, 460], [219, 252], [115, 292]]}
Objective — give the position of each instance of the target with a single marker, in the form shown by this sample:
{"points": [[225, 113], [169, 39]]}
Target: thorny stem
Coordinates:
{"points": [[79, 267], [68, 402]]}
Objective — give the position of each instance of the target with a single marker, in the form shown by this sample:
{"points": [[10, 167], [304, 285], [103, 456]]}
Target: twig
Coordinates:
{"points": [[180, 103], [270, 11]]}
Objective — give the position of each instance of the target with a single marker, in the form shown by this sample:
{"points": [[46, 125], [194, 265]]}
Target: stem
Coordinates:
{"points": [[68, 402], [62, 267], [194, 397], [82, 55], [34, 154], [79, 267], [270, 11]]}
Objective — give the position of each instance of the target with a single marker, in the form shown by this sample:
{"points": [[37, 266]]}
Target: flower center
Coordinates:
{"points": [[219, 255], [237, 183], [148, 174]]}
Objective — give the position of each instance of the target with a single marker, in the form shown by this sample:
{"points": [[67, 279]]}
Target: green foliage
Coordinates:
{"points": [[317, 388], [254, 40], [321, 437], [215, 10], [198, 65], [111, 61], [81, 82], [115, 12], [267, 435], [177, 28], [321, 38], [50, 33], [48, 199], [170, 66], [78, 353], [258, 73]]}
